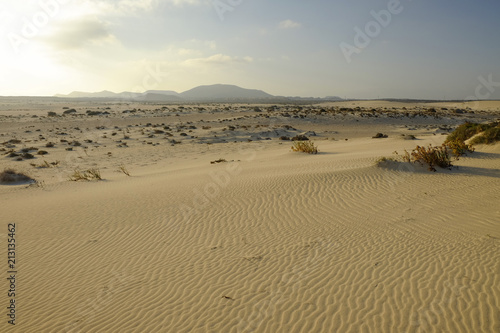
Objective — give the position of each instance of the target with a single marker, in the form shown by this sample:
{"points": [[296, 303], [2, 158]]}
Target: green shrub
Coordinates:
{"points": [[468, 130], [491, 135]]}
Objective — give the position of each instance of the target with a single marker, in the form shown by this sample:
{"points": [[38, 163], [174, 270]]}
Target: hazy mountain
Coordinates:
{"points": [[159, 97], [207, 93], [223, 92], [162, 92], [81, 94]]}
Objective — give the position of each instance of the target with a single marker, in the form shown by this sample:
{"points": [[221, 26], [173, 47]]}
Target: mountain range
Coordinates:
{"points": [[208, 93]]}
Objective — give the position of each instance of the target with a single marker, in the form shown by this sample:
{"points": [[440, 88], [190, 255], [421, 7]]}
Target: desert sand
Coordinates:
{"points": [[268, 241]]}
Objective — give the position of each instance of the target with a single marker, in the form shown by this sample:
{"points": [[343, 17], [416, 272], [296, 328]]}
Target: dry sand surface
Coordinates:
{"points": [[269, 240]]}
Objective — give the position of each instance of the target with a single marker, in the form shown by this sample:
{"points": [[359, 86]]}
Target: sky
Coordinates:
{"points": [[419, 49]]}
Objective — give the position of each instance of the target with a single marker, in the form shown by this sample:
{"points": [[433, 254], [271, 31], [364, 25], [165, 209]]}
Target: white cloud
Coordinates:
{"points": [[289, 24], [217, 59], [75, 34]]}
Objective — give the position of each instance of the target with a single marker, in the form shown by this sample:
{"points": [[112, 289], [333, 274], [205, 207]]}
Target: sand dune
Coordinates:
{"points": [[270, 241]]}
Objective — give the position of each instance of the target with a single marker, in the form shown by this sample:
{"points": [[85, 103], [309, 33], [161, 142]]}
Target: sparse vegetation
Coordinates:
{"points": [[123, 169], [489, 136], [432, 156], [90, 174], [468, 130], [305, 147], [458, 147], [300, 138], [220, 160], [11, 176], [45, 164]]}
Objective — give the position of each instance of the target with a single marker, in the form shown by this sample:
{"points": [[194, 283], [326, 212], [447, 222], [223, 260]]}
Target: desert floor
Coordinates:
{"points": [[268, 240]]}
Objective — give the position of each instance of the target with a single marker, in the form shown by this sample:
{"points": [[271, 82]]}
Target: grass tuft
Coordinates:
{"points": [[123, 169], [90, 174], [305, 147]]}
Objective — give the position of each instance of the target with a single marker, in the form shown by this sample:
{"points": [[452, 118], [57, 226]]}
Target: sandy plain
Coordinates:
{"points": [[268, 241]]}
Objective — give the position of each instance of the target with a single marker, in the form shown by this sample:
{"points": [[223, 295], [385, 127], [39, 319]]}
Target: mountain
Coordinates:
{"points": [[81, 94], [206, 93], [223, 92]]}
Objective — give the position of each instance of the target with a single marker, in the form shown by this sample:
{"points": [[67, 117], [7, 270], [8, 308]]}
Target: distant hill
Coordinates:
{"points": [[223, 92], [206, 93]]}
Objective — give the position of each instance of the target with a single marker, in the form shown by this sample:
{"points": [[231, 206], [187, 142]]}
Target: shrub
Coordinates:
{"points": [[432, 156], [300, 138], [11, 176], [90, 174], [220, 160], [52, 114], [27, 156], [458, 147], [305, 147], [491, 135], [468, 130]]}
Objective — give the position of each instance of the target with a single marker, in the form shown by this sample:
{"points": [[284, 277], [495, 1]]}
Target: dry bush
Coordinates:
{"points": [[90, 174], [458, 148], [432, 156], [220, 160], [45, 164], [305, 147], [11, 176], [123, 169]]}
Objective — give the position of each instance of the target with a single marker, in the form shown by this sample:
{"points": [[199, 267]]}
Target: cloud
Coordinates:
{"points": [[130, 7], [217, 59], [289, 24], [75, 34]]}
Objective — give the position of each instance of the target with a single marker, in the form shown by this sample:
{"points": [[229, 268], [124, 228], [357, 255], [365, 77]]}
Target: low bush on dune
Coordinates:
{"points": [[458, 147], [90, 174], [490, 132], [11, 176], [305, 147], [432, 156], [489, 136], [467, 131]]}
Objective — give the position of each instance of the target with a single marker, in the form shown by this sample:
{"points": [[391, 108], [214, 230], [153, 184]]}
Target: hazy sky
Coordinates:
{"points": [[360, 49]]}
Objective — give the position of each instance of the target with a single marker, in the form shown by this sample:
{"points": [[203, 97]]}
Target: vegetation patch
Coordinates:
{"points": [[432, 156], [489, 136], [468, 130], [90, 174], [220, 160], [11, 176], [123, 169], [305, 147]]}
